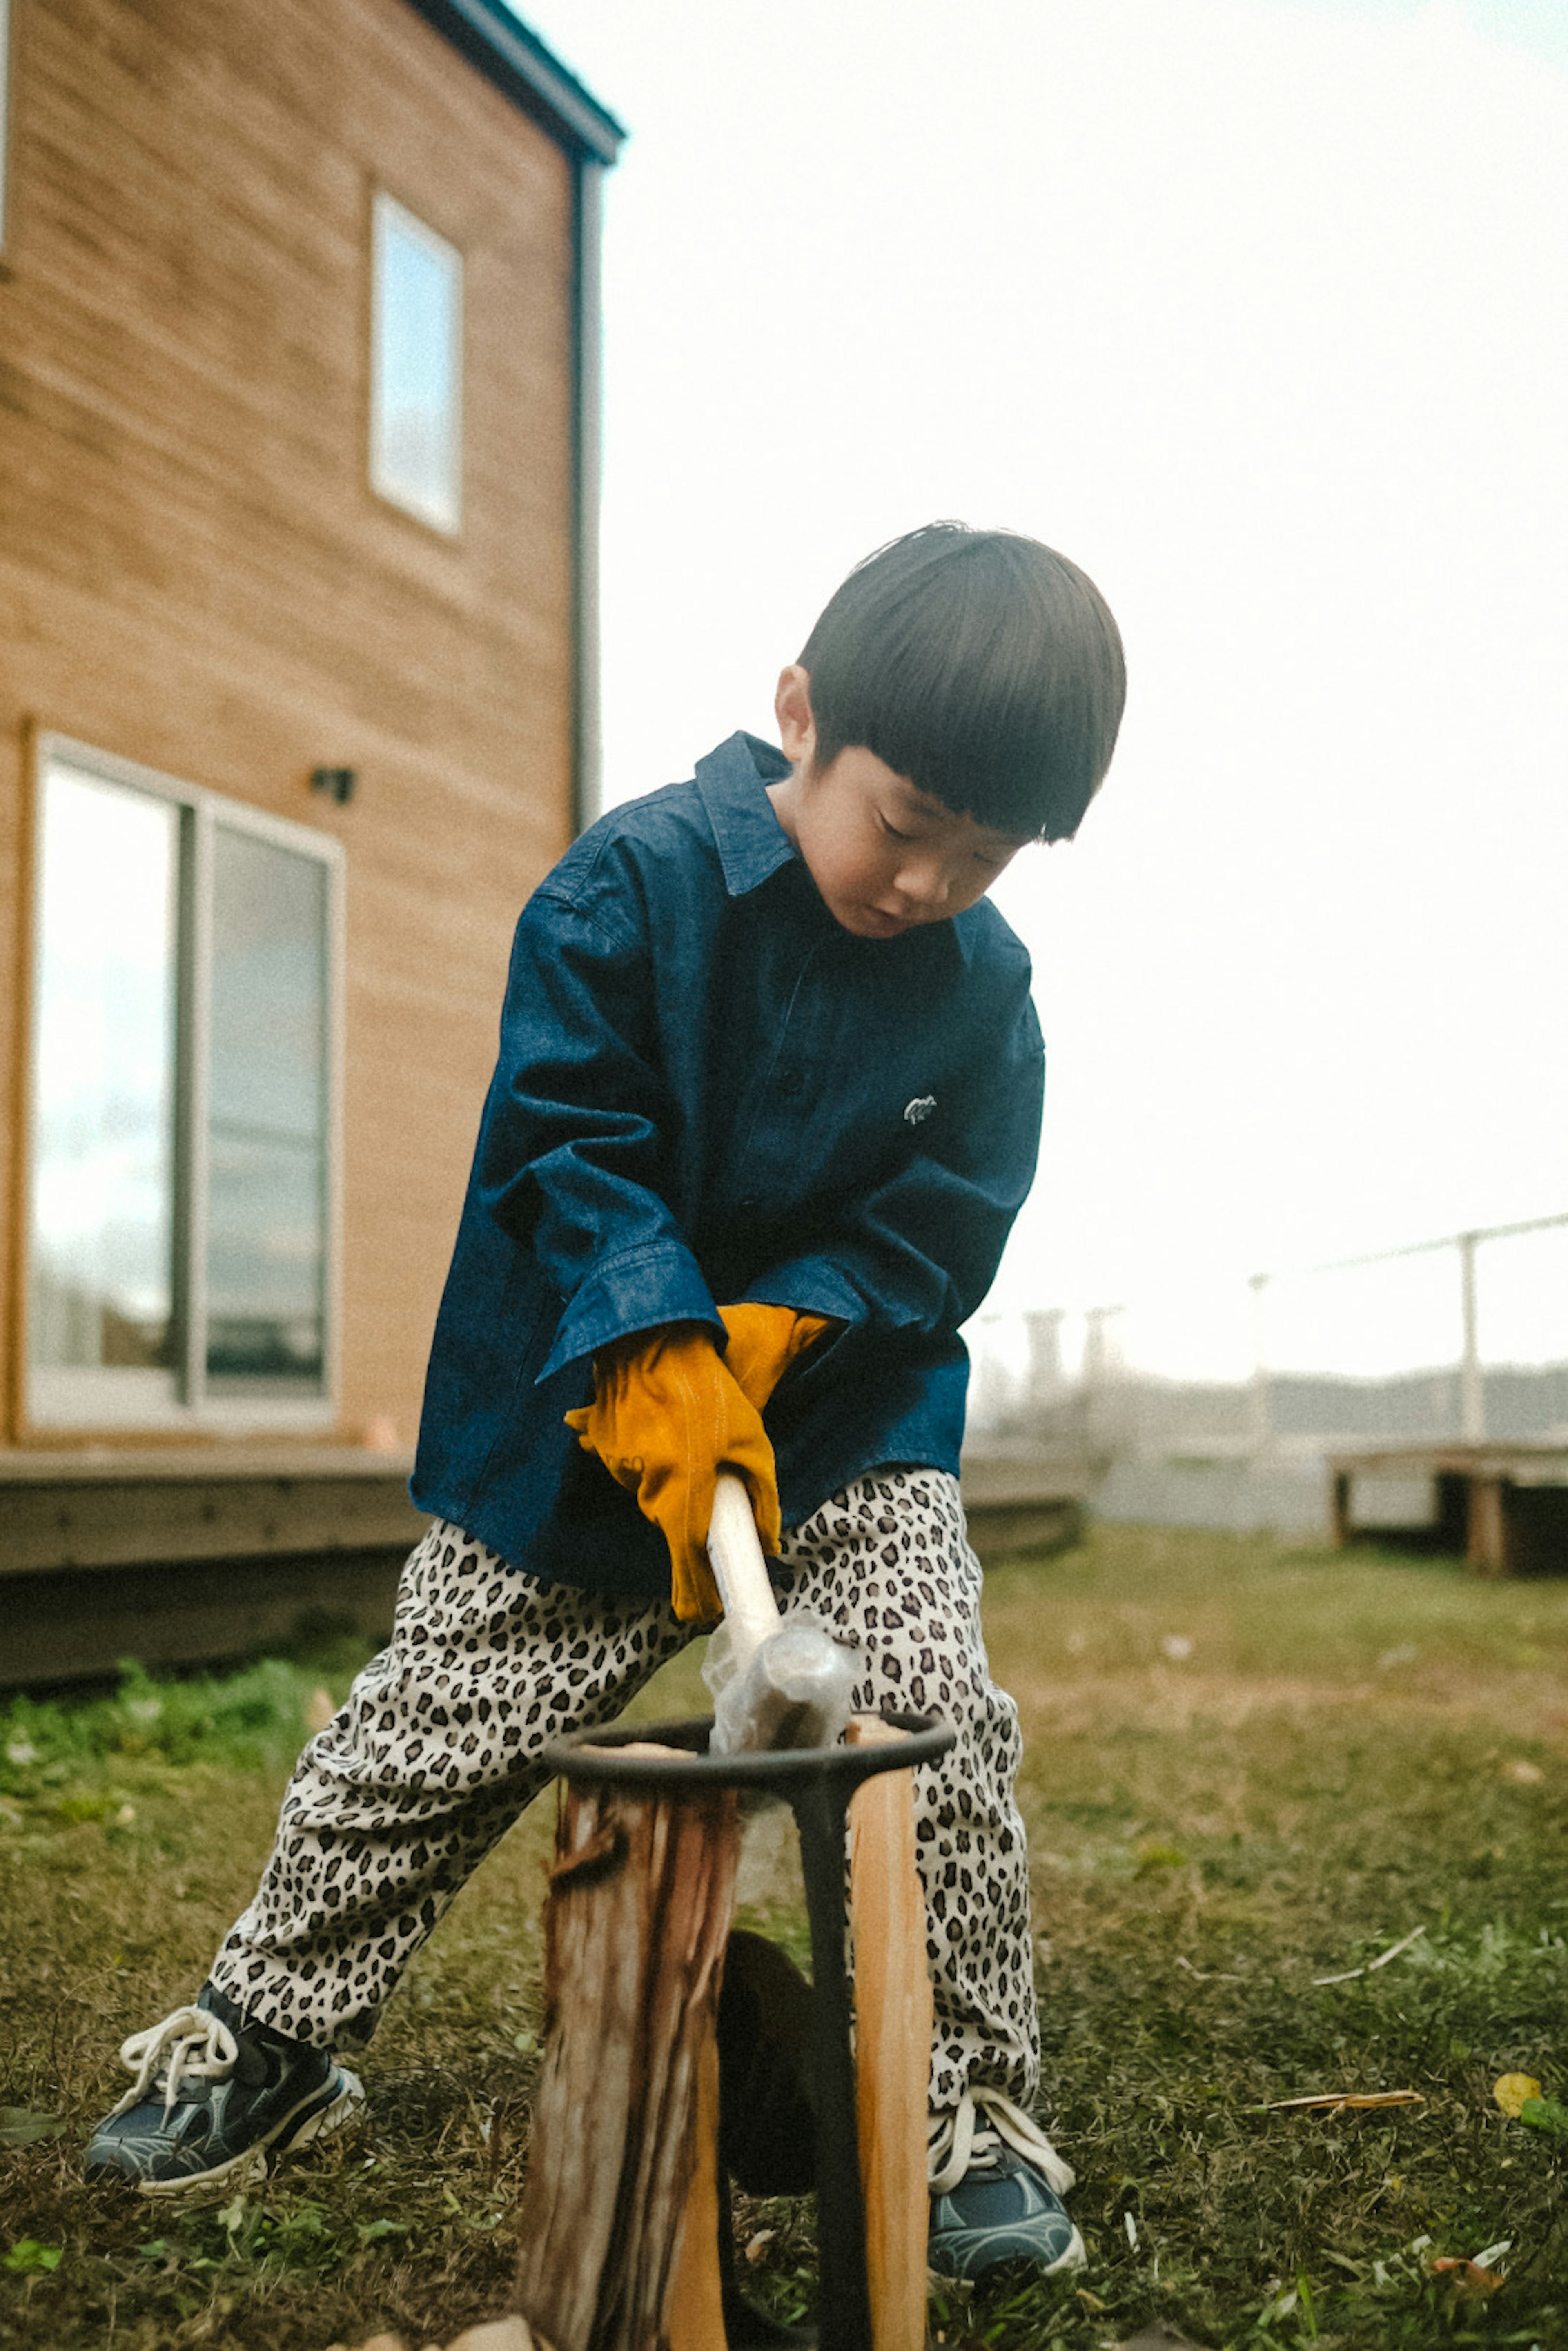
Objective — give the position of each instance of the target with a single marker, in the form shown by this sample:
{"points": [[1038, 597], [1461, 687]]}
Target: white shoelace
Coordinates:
{"points": [[962, 2141], [190, 2042]]}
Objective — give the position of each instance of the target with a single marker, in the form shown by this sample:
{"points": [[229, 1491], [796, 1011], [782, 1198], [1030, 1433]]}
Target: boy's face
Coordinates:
{"points": [[885, 856]]}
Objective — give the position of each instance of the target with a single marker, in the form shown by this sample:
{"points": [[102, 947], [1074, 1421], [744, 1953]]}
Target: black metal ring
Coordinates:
{"points": [[589, 1756]]}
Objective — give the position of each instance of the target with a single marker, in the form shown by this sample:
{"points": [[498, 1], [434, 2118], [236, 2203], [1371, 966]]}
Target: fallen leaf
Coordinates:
{"points": [[1469, 2277], [20, 2128], [1333, 2101], [1522, 1771], [1177, 1645], [757, 2246], [1511, 2090]]}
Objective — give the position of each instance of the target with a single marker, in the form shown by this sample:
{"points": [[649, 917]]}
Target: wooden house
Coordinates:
{"points": [[297, 483]]}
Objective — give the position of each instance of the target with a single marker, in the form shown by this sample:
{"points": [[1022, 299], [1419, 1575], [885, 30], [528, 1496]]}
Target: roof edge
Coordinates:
{"points": [[516, 61]]}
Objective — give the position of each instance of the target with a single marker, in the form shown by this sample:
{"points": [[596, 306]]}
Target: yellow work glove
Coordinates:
{"points": [[764, 1340], [667, 1417]]}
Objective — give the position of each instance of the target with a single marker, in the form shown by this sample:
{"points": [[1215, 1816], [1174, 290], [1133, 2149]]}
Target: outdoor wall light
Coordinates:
{"points": [[338, 783]]}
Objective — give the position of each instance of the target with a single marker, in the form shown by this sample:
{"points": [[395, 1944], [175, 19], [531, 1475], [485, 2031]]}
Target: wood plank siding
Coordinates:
{"points": [[195, 575]]}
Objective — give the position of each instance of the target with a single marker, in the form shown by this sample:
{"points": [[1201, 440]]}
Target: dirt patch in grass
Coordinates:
{"points": [[1246, 1770]]}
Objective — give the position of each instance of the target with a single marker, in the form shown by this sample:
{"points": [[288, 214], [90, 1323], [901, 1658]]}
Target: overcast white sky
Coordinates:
{"points": [[1259, 309]]}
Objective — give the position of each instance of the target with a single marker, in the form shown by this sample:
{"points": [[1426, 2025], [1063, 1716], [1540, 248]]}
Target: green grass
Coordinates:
{"points": [[1246, 1769]]}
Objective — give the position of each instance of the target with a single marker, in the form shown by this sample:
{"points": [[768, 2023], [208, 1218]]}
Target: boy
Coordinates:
{"points": [[767, 1105]]}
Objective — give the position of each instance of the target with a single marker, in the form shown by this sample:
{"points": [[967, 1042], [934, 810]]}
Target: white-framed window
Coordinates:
{"points": [[417, 366], [183, 1094]]}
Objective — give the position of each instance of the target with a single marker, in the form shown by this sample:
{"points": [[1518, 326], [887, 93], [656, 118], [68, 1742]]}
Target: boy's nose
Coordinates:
{"points": [[923, 883]]}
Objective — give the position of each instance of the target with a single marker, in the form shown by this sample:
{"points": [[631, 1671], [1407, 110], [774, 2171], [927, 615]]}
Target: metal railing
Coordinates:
{"points": [[1463, 1337]]}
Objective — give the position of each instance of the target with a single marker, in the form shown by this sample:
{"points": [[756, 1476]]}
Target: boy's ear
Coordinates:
{"points": [[792, 708]]}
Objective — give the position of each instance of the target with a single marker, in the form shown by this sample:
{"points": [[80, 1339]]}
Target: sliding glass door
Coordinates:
{"points": [[182, 1180]]}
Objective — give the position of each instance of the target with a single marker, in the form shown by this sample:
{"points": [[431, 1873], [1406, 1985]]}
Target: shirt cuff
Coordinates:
{"points": [[637, 1290], [817, 1286]]}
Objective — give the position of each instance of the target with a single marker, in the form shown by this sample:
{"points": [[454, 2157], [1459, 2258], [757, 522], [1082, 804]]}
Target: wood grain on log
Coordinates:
{"points": [[640, 1902], [694, 2315], [892, 2041]]}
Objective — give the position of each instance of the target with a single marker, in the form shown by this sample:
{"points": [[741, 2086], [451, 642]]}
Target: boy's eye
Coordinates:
{"points": [[892, 830]]}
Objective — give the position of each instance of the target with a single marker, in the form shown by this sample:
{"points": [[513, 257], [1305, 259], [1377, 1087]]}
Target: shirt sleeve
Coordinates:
{"points": [[918, 1252], [573, 1149]]}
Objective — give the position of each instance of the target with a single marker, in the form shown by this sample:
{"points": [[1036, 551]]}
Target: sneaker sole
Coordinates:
{"points": [[303, 2123], [1074, 2258]]}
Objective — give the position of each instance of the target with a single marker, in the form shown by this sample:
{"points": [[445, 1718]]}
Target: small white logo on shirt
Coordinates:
{"points": [[921, 1107]]}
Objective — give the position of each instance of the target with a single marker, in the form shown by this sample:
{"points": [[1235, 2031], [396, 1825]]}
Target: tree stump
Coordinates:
{"points": [[640, 1896]]}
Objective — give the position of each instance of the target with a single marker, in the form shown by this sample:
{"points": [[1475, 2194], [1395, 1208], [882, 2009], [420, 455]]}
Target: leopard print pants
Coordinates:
{"points": [[437, 1751]]}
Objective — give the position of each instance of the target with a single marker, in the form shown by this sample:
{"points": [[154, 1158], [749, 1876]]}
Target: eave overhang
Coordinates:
{"points": [[516, 61]]}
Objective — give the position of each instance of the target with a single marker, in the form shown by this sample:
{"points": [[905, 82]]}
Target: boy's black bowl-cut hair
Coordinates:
{"points": [[983, 666]]}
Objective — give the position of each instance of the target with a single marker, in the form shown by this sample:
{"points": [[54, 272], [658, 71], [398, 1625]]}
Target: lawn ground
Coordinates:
{"points": [[1248, 1769]]}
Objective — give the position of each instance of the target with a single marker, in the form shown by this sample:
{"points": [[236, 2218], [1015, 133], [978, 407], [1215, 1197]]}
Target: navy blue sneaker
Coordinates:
{"points": [[997, 2185], [211, 2096]]}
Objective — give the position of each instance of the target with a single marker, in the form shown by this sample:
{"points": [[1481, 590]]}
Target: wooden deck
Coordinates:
{"points": [[178, 1556], [1503, 1508], [183, 1556], [1022, 1498]]}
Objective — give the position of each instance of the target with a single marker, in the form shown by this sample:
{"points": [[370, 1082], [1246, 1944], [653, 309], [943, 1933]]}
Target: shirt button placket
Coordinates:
{"points": [[771, 1142]]}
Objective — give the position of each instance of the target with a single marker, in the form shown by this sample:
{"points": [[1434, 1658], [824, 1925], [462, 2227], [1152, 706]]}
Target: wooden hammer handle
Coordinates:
{"points": [[739, 1569]]}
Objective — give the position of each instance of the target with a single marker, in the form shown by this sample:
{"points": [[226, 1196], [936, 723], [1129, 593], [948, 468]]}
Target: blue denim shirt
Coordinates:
{"points": [[708, 1090]]}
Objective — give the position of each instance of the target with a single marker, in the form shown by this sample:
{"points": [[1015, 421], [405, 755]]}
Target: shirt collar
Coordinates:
{"points": [[753, 845], [733, 782]]}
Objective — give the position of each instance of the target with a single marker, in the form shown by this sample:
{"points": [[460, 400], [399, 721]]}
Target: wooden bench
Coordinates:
{"points": [[1502, 1508]]}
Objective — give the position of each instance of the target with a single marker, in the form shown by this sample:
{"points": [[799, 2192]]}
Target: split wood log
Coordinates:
{"points": [[640, 1901], [892, 2042], [694, 2315]]}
